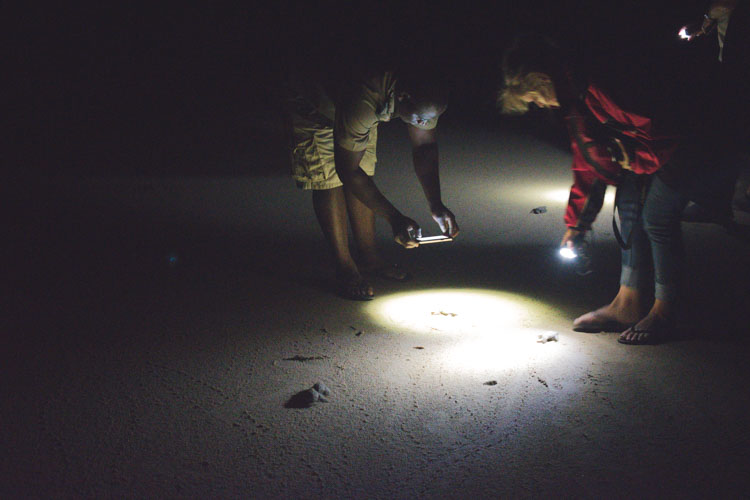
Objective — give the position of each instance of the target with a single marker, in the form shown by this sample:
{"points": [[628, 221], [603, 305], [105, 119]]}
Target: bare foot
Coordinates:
{"points": [[605, 319], [351, 285]]}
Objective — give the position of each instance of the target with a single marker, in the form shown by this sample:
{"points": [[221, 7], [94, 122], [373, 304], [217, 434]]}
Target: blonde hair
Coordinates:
{"points": [[526, 67], [510, 98]]}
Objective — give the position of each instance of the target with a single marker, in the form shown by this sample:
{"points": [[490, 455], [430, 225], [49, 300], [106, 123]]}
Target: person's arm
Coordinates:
{"points": [[426, 166], [718, 11], [362, 186], [585, 200]]}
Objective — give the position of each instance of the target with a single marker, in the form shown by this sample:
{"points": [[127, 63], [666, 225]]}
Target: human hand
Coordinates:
{"points": [[405, 231], [570, 237], [708, 25], [446, 220]]}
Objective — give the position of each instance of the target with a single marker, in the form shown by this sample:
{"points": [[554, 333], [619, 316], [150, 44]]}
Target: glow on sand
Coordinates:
{"points": [[474, 329]]}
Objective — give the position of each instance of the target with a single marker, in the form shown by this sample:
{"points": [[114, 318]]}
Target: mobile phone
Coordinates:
{"points": [[423, 240]]}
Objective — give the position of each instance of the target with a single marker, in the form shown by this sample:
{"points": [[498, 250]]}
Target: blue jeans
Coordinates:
{"points": [[656, 235]]}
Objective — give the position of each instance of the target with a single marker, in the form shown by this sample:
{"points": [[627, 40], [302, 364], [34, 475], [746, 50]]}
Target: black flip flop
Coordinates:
{"points": [[654, 334]]}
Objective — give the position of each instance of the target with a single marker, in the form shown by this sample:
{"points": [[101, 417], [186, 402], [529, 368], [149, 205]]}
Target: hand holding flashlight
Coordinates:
{"points": [[689, 32], [568, 243], [574, 248]]}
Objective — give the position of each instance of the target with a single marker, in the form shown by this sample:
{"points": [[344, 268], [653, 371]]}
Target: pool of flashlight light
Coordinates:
{"points": [[470, 329]]}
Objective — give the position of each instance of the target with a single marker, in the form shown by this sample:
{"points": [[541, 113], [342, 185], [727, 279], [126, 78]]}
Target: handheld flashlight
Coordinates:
{"points": [[568, 253], [683, 34], [578, 254], [689, 32]]}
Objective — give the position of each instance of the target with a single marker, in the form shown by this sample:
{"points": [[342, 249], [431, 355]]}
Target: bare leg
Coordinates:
{"points": [[623, 310], [362, 220], [363, 228], [330, 209]]}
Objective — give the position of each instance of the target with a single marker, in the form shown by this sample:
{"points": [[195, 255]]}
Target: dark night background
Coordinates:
{"points": [[159, 275], [191, 90]]}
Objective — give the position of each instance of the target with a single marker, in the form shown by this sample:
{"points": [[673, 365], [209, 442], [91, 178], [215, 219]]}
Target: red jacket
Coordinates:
{"points": [[594, 124]]}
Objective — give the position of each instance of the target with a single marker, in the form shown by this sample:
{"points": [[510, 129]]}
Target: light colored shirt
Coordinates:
{"points": [[362, 107]]}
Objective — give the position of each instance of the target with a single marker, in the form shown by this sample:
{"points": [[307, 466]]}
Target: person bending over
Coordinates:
{"points": [[611, 145], [334, 129]]}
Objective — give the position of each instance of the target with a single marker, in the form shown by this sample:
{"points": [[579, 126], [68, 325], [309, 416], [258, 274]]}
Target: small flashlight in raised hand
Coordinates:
{"points": [[689, 32]]}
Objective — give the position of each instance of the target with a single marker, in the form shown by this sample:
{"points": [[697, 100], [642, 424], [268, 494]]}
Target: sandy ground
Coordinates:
{"points": [[158, 328]]}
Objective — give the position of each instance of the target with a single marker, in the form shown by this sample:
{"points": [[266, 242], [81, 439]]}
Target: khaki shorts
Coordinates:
{"points": [[312, 154]]}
